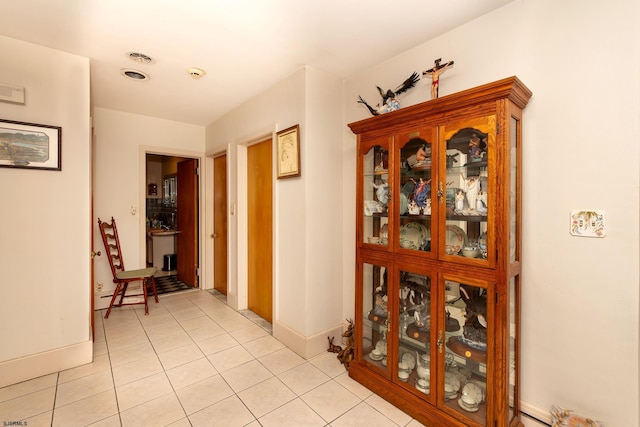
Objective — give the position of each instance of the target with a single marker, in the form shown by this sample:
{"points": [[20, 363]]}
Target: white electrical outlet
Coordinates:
{"points": [[99, 286], [133, 210], [587, 223]]}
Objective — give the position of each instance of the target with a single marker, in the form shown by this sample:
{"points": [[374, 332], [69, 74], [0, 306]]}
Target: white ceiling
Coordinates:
{"points": [[245, 46]]}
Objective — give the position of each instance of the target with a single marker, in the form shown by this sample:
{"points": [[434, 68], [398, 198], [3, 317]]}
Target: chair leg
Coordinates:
{"points": [[113, 298], [153, 286], [124, 291], [144, 295]]}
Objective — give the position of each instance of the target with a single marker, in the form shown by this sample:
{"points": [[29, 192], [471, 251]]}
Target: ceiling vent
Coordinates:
{"points": [[140, 57], [134, 74]]}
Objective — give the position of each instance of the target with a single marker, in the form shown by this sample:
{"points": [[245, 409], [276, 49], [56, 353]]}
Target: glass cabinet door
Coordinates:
{"points": [[462, 341], [375, 315], [376, 195], [414, 332], [415, 180], [466, 190]]}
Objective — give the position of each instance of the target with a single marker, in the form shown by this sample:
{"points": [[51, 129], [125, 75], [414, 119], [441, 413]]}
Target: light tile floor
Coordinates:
{"points": [[194, 361]]}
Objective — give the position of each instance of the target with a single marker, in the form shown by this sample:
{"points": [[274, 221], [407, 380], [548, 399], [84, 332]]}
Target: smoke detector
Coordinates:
{"points": [[196, 73], [140, 57]]}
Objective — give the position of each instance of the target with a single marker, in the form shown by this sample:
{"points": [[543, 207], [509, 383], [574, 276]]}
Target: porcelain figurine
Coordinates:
{"points": [[421, 154], [390, 97], [475, 152], [459, 201], [472, 186], [421, 192], [481, 202], [382, 191], [427, 209], [414, 209]]}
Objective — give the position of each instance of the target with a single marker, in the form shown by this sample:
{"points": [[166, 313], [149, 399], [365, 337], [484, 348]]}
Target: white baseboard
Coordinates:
{"points": [[307, 347], [36, 365], [536, 415], [101, 300]]}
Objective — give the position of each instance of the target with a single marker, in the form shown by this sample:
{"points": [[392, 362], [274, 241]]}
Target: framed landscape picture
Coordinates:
{"points": [[30, 145]]}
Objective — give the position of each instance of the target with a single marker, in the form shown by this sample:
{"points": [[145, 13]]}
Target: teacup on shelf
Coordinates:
{"points": [[470, 252], [422, 385], [403, 367], [403, 375]]}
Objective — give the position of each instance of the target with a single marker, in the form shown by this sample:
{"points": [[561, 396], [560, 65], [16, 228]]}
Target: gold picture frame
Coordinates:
{"points": [[288, 151]]}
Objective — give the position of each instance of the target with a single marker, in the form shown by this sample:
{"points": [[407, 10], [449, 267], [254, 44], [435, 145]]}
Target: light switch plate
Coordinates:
{"points": [[587, 223]]}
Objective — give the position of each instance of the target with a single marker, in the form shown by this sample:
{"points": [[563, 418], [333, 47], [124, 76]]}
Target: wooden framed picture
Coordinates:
{"points": [[288, 151], [30, 145]]}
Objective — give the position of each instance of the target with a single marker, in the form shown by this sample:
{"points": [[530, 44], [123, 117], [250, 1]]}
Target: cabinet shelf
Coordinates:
{"points": [[414, 217], [468, 218]]}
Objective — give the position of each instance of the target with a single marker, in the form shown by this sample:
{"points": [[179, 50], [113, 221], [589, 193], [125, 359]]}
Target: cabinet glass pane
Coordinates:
{"points": [[513, 347], [376, 196], [465, 376], [414, 189], [375, 315], [467, 191], [414, 358], [513, 191]]}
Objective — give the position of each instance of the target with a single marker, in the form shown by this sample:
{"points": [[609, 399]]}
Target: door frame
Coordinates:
{"points": [[213, 211], [142, 202], [237, 280]]}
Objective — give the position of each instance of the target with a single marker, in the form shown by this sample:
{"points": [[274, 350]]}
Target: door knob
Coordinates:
{"points": [[214, 235], [95, 254]]}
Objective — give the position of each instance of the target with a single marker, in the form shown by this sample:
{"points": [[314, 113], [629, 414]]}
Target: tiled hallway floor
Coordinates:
{"points": [[193, 361]]}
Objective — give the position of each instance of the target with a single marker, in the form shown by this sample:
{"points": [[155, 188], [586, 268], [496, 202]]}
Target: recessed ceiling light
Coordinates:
{"points": [[134, 74], [196, 73], [140, 57]]}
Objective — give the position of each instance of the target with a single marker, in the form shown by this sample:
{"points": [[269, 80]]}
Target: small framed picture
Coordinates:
{"points": [[30, 145], [288, 151]]}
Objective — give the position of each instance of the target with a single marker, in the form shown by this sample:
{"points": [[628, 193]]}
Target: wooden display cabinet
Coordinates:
{"points": [[438, 233]]}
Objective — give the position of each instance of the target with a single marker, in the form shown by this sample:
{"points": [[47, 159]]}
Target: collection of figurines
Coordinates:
{"points": [[472, 198], [473, 194], [420, 198], [469, 200], [415, 322]]}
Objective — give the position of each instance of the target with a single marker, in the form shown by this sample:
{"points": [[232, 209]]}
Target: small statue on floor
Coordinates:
{"points": [[345, 356], [332, 347]]}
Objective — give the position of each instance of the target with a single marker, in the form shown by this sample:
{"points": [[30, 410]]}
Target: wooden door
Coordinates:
{"points": [[187, 240], [92, 290], [259, 213], [220, 224]]}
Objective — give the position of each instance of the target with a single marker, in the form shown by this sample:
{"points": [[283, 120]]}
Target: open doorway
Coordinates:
{"points": [[172, 206]]}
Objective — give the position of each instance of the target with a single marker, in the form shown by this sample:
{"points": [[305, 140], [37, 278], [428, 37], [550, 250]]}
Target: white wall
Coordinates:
{"points": [[307, 224], [121, 141], [44, 249], [581, 132], [322, 167]]}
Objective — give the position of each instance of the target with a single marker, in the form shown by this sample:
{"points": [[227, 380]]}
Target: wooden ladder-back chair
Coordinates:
{"points": [[122, 277]]}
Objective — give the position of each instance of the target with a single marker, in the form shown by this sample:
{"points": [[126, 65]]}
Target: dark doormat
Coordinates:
{"points": [[168, 284]]}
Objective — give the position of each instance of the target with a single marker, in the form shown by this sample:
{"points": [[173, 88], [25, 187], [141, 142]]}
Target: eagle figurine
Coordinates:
{"points": [[389, 97]]}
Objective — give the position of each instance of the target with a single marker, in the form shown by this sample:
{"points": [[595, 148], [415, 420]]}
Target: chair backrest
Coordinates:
{"points": [[111, 242]]}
